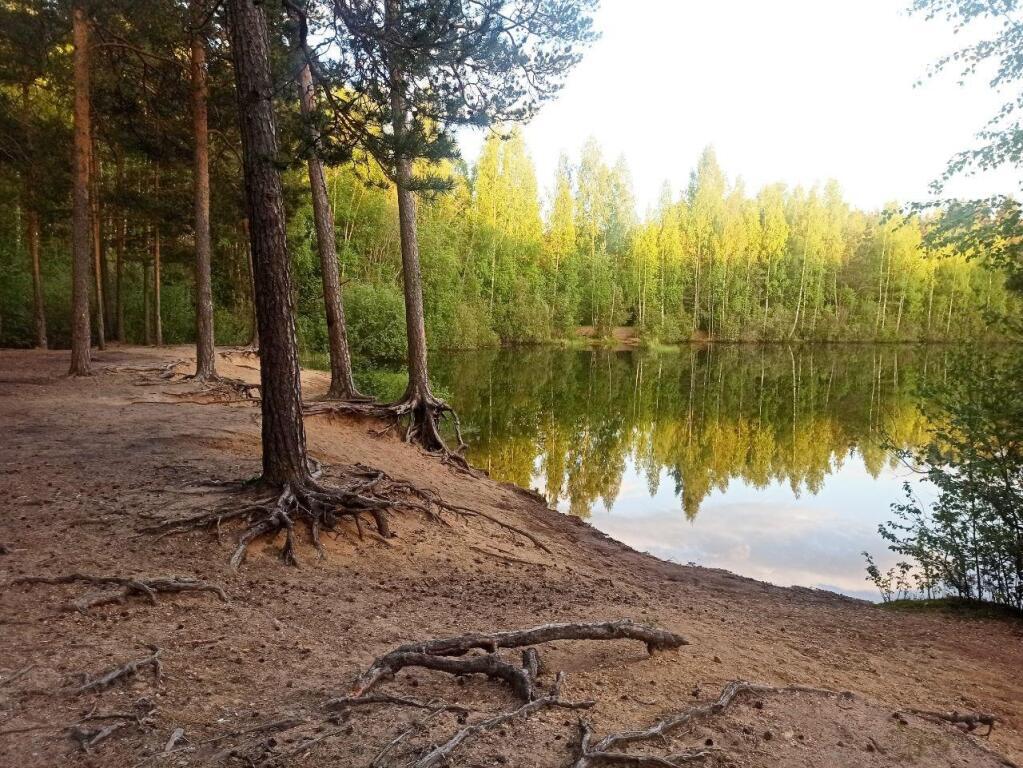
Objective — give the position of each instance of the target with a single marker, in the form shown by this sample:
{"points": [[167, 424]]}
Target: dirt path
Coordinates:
{"points": [[84, 465]]}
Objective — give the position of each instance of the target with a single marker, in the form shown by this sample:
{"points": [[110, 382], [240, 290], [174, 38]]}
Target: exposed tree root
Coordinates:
{"points": [[343, 702], [89, 737], [222, 386], [443, 654], [967, 721], [148, 586], [439, 755], [417, 417], [129, 669], [608, 751], [162, 371], [17, 675], [361, 491], [452, 655]]}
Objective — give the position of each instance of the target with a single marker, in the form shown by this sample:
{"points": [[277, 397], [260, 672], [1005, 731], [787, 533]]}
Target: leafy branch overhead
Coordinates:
{"points": [[441, 64]]}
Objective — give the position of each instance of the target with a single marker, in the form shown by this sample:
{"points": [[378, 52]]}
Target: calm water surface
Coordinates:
{"points": [[765, 460]]}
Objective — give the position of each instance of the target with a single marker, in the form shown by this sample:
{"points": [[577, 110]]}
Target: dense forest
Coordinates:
{"points": [[503, 263], [505, 258]]}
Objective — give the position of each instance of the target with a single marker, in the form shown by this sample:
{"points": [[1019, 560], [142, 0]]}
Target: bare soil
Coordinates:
{"points": [[85, 465]]}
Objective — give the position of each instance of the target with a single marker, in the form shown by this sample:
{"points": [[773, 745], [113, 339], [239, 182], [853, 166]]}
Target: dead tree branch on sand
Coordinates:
{"points": [[148, 586], [443, 654], [129, 669], [360, 491]]}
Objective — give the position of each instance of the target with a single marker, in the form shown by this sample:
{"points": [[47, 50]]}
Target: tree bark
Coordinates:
{"points": [[205, 362], [342, 385], [38, 305], [81, 353], [283, 433], [419, 381]]}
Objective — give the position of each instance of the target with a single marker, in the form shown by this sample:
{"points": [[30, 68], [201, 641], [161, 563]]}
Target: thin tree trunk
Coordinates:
{"points": [[97, 247], [414, 317], [284, 441], [38, 305], [32, 237], [696, 297], [930, 301], [880, 286], [205, 358], [799, 297], [342, 384], [157, 321], [122, 236], [81, 354], [147, 307]]}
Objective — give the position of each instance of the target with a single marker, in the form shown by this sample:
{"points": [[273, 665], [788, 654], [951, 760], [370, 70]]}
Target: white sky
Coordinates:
{"points": [[786, 90]]}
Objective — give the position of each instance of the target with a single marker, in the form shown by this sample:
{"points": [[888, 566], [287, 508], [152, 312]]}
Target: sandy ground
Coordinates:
{"points": [[86, 464]]}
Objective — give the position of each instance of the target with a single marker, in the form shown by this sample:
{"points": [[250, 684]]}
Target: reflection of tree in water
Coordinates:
{"points": [[702, 416]]}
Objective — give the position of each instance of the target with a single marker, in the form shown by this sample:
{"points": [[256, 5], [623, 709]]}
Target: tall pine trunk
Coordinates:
{"points": [[284, 442], [205, 360], [415, 324], [342, 385], [81, 353]]}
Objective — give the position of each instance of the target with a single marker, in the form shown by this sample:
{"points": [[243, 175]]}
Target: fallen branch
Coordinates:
{"points": [[147, 586], [130, 669], [430, 653]]}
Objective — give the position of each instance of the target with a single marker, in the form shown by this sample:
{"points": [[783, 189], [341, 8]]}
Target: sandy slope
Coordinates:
{"points": [[85, 464]]}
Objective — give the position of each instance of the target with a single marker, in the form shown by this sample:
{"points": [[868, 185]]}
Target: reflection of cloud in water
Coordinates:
{"points": [[768, 533]]}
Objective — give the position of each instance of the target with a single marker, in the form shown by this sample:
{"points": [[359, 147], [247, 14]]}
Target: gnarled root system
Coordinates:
{"points": [[417, 416], [361, 492]]}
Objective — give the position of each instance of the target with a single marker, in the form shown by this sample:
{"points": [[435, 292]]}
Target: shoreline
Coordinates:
{"points": [[89, 463]]}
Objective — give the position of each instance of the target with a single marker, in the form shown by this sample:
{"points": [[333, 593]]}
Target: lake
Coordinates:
{"points": [[766, 460]]}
